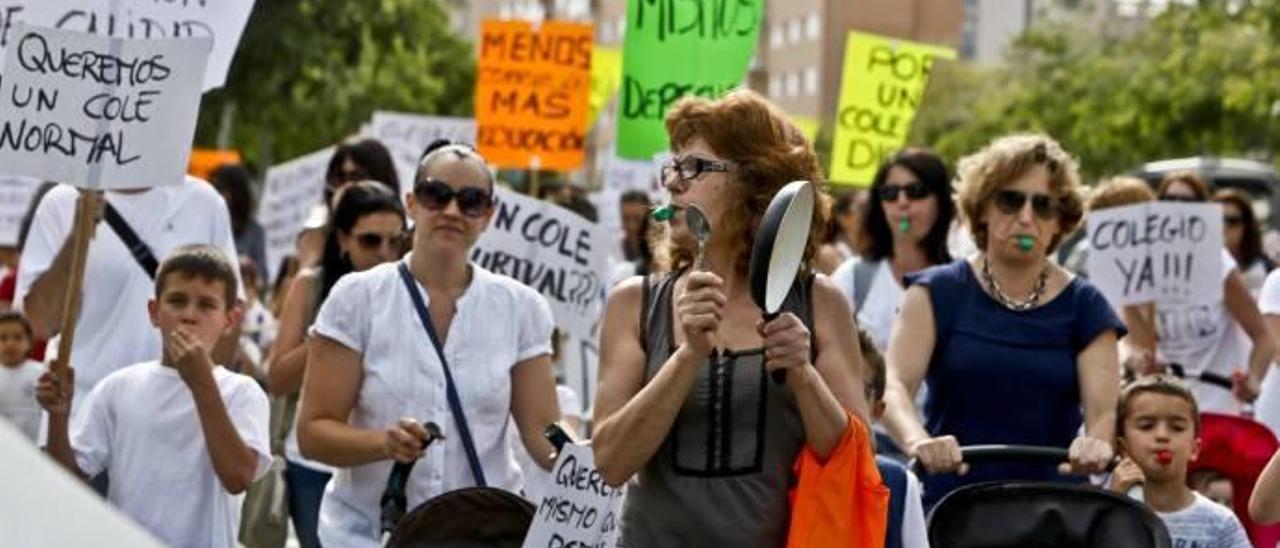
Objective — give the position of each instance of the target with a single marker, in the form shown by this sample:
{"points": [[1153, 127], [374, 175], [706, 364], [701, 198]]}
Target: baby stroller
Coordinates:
{"points": [[1237, 447], [1037, 514]]}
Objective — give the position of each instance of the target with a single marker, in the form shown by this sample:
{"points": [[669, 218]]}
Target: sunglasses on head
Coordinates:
{"points": [[915, 190], [435, 195], [1011, 202], [373, 240]]}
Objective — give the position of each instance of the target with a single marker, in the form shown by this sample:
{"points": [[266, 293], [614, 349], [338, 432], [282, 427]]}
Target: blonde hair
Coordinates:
{"points": [[1120, 191], [991, 169]]}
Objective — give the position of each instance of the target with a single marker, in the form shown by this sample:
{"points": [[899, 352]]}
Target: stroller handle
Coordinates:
{"points": [[1002, 452]]}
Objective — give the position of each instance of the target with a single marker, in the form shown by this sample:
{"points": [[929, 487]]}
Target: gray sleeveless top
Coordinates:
{"points": [[722, 474]]}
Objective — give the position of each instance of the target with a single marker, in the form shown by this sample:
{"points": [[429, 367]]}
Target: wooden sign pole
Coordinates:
{"points": [[82, 232]]}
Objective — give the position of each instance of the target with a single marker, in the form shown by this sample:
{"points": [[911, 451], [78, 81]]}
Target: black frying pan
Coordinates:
{"points": [[779, 249]]}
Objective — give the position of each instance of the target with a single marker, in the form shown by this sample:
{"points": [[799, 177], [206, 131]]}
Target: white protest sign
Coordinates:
{"points": [[577, 509], [289, 192], [407, 135], [15, 198], [1157, 251], [99, 112], [221, 21], [553, 250]]}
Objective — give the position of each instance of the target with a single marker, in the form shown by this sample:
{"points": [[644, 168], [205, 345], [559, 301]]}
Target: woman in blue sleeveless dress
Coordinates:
{"points": [[1015, 349]]}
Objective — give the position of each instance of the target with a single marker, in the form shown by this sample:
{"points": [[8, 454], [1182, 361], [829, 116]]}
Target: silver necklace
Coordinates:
{"points": [[1005, 300]]}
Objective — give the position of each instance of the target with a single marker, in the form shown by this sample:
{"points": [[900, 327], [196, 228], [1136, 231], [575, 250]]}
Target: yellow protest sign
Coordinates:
{"points": [[883, 82], [807, 126], [532, 87], [606, 76]]}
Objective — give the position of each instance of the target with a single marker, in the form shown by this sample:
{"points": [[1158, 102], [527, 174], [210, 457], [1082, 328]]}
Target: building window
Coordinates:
{"points": [[622, 28], [776, 37], [793, 31], [811, 81], [813, 27], [606, 34], [775, 86], [793, 84]]}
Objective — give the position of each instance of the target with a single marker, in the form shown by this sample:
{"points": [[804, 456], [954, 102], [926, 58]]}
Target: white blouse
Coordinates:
{"points": [[499, 323]]}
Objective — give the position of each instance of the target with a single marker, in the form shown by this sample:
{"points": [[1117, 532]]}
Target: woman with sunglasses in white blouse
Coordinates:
{"points": [[430, 338], [1012, 346]]}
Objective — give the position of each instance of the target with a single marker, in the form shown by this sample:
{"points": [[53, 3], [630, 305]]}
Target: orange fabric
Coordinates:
{"points": [[842, 503]]}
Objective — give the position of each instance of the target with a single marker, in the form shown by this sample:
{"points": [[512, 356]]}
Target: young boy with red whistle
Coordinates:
{"points": [[1158, 424]]}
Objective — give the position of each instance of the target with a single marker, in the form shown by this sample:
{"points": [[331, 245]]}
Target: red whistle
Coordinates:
{"points": [[1164, 457]]}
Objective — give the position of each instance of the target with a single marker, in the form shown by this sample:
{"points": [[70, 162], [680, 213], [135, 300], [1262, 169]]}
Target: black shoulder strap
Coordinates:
{"points": [[863, 274], [137, 247], [455, 403]]}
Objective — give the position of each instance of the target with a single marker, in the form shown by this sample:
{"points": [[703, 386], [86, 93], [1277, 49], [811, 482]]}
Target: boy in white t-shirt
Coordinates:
{"points": [[18, 375], [181, 437], [1158, 426]]}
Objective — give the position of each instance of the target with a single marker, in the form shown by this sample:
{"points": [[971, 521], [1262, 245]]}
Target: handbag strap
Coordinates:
{"points": [[455, 403], [137, 247]]}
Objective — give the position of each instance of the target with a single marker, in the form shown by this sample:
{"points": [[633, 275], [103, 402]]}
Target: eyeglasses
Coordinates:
{"points": [[373, 240], [676, 174], [1011, 202], [915, 190], [1178, 198], [435, 195], [1232, 220]]}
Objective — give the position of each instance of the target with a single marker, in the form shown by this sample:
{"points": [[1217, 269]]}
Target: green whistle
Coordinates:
{"points": [[1025, 243], [664, 213], [904, 225]]}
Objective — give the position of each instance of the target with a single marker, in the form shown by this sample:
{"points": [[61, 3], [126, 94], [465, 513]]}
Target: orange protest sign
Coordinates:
{"points": [[532, 90]]}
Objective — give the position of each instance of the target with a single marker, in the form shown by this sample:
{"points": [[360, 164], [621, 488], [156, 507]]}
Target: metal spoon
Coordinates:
{"points": [[698, 224]]}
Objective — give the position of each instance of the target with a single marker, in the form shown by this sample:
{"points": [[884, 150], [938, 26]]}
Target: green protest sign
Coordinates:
{"points": [[673, 49]]}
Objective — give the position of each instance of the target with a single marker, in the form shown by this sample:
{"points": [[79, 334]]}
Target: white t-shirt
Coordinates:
{"points": [[1267, 408], [1254, 276], [141, 426], [1204, 337], [498, 323], [914, 532], [883, 300], [1205, 524], [114, 330], [18, 403]]}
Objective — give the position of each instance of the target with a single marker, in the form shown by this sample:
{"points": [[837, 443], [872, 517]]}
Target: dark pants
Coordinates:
{"points": [[305, 487]]}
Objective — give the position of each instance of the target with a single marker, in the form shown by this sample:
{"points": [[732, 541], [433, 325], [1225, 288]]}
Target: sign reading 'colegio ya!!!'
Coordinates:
{"points": [[1157, 251]]}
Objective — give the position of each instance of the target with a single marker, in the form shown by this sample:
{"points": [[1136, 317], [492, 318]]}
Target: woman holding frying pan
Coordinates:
{"points": [[684, 397], [429, 338]]}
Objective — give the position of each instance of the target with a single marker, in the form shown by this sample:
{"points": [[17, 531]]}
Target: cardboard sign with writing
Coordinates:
{"points": [[532, 91], [221, 21], [884, 80], [289, 193], [577, 509], [15, 197], [1157, 251], [99, 112], [407, 135], [552, 250], [674, 49]]}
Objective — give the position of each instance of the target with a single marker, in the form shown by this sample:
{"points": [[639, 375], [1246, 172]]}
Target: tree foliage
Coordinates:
{"points": [[1194, 80], [309, 72]]}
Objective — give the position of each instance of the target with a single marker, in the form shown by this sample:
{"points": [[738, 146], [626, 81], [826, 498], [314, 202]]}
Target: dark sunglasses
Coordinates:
{"points": [[1232, 220], [1010, 202], [435, 195], [914, 191], [1178, 198], [373, 240], [344, 176]]}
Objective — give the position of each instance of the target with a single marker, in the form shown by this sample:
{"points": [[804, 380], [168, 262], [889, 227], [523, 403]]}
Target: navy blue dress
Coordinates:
{"points": [[1000, 376]]}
